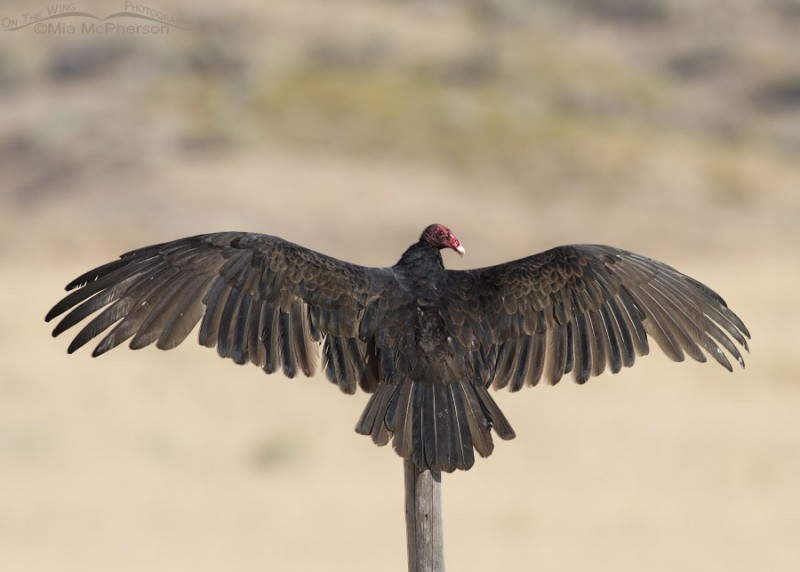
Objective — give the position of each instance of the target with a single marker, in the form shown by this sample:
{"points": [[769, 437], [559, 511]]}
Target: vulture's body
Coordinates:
{"points": [[426, 342]]}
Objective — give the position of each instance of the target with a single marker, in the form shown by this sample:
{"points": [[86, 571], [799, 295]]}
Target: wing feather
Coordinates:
{"points": [[258, 298], [594, 308]]}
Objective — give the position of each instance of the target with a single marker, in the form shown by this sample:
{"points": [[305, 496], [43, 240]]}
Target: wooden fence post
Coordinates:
{"points": [[423, 519]]}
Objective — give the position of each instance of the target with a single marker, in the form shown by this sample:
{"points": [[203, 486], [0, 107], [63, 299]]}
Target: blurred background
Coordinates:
{"points": [[667, 128]]}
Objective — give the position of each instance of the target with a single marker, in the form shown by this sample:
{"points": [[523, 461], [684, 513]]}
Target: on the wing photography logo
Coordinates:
{"points": [[66, 19]]}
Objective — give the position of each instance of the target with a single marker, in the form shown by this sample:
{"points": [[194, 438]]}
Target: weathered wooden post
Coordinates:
{"points": [[424, 519]]}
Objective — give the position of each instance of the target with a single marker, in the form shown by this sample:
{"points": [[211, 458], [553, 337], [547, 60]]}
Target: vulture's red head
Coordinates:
{"points": [[440, 236]]}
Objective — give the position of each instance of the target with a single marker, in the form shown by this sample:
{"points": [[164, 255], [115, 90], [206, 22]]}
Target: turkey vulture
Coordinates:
{"points": [[426, 342]]}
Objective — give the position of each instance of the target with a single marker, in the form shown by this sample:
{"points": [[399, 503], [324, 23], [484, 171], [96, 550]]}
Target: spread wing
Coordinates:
{"points": [[258, 299], [584, 309]]}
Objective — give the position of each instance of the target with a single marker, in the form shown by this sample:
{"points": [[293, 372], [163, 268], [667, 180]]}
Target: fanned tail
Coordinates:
{"points": [[436, 425]]}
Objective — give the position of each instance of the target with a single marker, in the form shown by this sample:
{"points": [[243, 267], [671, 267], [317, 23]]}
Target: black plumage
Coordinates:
{"points": [[426, 342]]}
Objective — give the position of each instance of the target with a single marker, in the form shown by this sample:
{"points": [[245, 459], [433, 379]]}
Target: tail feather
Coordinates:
{"points": [[437, 426], [462, 437], [401, 422], [479, 425]]}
